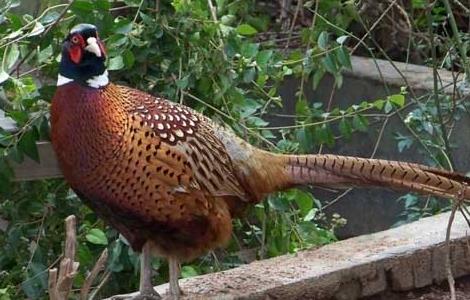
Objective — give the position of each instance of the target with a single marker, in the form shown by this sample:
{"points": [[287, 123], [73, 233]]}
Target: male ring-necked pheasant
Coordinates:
{"points": [[169, 179]]}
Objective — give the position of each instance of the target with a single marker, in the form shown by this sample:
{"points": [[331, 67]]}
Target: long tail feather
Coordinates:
{"points": [[332, 170]]}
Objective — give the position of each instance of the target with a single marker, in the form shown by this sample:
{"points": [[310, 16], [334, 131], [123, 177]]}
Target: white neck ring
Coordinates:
{"points": [[94, 82]]}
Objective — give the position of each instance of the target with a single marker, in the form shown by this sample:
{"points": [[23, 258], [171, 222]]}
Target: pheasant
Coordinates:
{"points": [[169, 179]]}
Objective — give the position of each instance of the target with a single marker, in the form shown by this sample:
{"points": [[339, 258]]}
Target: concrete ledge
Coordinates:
{"points": [[31, 170], [394, 74], [48, 167], [399, 259]]}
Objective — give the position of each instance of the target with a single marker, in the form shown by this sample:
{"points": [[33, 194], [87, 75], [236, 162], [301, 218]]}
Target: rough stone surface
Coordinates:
{"points": [[399, 259]]}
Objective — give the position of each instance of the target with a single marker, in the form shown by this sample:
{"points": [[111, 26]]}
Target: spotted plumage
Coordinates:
{"points": [[169, 179], [172, 122]]}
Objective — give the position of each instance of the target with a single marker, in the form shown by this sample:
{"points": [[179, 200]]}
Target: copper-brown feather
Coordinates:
{"points": [[343, 171], [161, 172], [153, 169]]}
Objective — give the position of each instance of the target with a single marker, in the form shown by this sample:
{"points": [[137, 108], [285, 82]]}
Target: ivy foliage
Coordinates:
{"points": [[208, 59]]}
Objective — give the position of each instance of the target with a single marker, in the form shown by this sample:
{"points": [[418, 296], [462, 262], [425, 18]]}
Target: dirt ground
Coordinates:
{"points": [[435, 292]]}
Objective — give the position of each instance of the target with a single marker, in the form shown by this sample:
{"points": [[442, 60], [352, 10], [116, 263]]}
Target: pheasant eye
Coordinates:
{"points": [[75, 39]]}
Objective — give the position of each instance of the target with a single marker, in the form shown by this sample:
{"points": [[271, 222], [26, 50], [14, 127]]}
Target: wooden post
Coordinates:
{"points": [[60, 284]]}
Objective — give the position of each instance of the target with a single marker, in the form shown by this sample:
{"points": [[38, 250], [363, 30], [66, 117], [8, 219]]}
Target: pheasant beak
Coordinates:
{"points": [[94, 46]]}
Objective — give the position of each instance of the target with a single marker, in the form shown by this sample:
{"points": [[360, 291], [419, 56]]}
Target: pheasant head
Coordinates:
{"points": [[83, 58]]}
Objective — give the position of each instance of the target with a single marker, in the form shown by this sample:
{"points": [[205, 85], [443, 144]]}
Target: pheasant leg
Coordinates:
{"points": [[146, 288], [175, 290]]}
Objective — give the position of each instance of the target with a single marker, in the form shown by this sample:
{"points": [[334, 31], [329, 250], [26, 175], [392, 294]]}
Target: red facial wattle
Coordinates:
{"points": [[77, 44], [75, 53]]}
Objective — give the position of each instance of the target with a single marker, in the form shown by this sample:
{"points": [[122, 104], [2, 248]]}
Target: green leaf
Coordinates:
{"points": [[304, 201], [345, 128], [20, 117], [37, 29], [305, 138], [379, 104], [188, 271], [418, 4], [128, 58], [338, 80], [329, 63], [263, 57], [397, 99], [323, 40], [4, 294], [3, 76], [137, 42], [15, 155], [360, 123], [116, 41], [97, 236], [124, 26], [324, 134], [310, 214], [428, 127], [257, 122], [103, 4], [344, 58], [50, 17], [6, 174], [341, 39], [278, 203], [114, 263], [13, 53], [308, 231], [45, 54], [14, 3], [227, 19], [249, 75], [183, 82], [116, 63], [27, 144], [262, 79], [82, 6], [249, 50], [404, 144], [317, 77], [246, 29]]}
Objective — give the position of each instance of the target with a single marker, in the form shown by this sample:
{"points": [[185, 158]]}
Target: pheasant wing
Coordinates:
{"points": [[189, 145]]}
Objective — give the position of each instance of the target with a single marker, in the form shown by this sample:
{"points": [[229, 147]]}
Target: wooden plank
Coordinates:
{"points": [[31, 170]]}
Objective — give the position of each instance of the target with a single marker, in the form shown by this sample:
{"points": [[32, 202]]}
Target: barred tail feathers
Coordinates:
{"points": [[284, 171], [333, 170]]}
